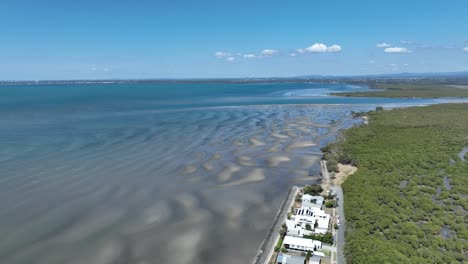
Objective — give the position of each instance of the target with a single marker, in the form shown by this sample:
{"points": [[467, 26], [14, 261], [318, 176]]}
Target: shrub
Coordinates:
{"points": [[313, 189], [332, 165], [279, 244], [283, 232], [325, 238], [330, 204]]}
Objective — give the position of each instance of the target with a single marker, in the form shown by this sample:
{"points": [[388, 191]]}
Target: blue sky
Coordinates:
{"points": [[183, 39]]}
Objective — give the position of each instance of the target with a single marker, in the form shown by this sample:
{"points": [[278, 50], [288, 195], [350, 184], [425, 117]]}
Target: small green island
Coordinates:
{"points": [[410, 90], [408, 200]]}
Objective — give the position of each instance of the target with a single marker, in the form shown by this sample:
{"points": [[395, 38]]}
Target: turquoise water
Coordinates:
{"points": [[176, 96], [158, 173]]}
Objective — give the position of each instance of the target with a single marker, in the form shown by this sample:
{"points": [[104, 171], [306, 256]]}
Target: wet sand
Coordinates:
{"points": [[134, 191]]}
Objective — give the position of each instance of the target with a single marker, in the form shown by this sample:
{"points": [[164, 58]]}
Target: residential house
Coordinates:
{"points": [[289, 259], [296, 229], [301, 244], [312, 201], [312, 216]]}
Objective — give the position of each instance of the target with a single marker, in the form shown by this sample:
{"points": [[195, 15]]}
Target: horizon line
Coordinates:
{"points": [[311, 76]]}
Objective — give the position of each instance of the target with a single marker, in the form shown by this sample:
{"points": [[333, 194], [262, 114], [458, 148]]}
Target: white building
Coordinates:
{"points": [[315, 260], [301, 244], [296, 229], [312, 201], [305, 215], [289, 259], [304, 211]]}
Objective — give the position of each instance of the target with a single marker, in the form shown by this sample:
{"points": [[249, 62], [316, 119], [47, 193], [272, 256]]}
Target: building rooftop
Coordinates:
{"points": [[305, 242], [288, 259], [314, 260]]}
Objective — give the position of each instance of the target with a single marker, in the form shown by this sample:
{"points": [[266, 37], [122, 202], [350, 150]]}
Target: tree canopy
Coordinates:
{"points": [[408, 202]]}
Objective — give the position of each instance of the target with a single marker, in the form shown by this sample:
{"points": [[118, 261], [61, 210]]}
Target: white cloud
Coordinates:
{"points": [[269, 52], [230, 59], [371, 62], [397, 50], [106, 69], [465, 49], [300, 50], [250, 56], [334, 48], [93, 68], [317, 47], [222, 55], [292, 54], [383, 45], [321, 48]]}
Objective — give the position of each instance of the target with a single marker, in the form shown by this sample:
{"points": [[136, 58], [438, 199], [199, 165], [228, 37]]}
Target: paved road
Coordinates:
{"points": [[340, 239]]}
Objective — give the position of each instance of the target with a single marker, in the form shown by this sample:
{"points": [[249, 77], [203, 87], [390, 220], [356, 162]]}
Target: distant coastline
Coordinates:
{"points": [[449, 78]]}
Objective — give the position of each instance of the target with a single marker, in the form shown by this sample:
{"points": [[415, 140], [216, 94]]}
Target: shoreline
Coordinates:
{"points": [[266, 249], [329, 185]]}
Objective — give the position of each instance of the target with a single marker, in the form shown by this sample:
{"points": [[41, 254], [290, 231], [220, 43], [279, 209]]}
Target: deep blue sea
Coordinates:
{"points": [[158, 173]]}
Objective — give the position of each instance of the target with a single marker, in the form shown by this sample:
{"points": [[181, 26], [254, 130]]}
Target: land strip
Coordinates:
{"points": [[404, 90]]}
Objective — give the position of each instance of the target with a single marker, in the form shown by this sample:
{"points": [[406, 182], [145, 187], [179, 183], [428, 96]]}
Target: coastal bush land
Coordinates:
{"points": [[411, 90], [408, 200]]}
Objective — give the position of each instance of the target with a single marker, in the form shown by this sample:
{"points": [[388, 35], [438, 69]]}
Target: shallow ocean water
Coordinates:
{"points": [[158, 173]]}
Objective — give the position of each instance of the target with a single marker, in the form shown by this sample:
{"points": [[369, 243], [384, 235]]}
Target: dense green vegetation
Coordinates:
{"points": [[408, 201], [404, 90], [330, 204], [314, 189], [325, 238]]}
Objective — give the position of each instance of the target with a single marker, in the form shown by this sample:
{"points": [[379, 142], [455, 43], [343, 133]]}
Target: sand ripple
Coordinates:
{"points": [[227, 172], [255, 175], [300, 144], [208, 166], [255, 142], [189, 169], [274, 148], [157, 213], [279, 136], [245, 161], [275, 161]]}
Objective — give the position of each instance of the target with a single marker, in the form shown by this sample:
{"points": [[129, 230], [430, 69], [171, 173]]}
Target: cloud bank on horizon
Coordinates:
{"points": [[323, 48], [266, 53]]}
